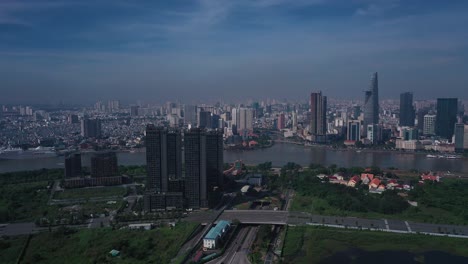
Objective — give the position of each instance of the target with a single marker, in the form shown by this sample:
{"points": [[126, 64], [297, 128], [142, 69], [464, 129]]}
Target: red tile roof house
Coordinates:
{"points": [[391, 184], [429, 177], [353, 181], [374, 183], [381, 188]]}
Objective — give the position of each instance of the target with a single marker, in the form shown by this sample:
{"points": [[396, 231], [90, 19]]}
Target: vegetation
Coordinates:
{"points": [[23, 201], [260, 246], [315, 244], [133, 170], [10, 249], [93, 246], [443, 202], [86, 193], [347, 199], [31, 176]]}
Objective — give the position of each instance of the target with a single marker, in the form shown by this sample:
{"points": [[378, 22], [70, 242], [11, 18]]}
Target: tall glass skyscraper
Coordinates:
{"points": [[318, 117], [371, 103], [446, 117], [407, 112]]}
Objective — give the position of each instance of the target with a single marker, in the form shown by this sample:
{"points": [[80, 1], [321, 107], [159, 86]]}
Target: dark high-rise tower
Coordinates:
{"points": [[104, 164], [156, 159], [195, 191], [73, 165], [318, 117], [174, 155], [214, 159], [446, 117], [91, 128], [371, 103], [407, 112], [164, 169]]}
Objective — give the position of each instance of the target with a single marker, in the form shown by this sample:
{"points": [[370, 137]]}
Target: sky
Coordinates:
{"points": [[80, 51]]}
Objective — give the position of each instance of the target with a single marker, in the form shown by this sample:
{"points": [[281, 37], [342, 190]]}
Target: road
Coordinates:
{"points": [[389, 225], [256, 216], [239, 248]]}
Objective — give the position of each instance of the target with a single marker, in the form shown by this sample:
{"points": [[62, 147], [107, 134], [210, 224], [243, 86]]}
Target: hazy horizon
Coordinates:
{"points": [[220, 50]]}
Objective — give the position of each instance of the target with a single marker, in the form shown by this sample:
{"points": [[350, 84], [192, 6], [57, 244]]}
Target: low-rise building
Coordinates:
{"points": [[216, 235]]}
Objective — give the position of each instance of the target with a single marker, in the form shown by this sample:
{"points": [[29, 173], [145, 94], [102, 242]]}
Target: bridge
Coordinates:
{"points": [[256, 217], [270, 217]]}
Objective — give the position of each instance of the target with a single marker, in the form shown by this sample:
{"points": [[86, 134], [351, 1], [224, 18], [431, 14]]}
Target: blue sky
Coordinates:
{"points": [[210, 50]]}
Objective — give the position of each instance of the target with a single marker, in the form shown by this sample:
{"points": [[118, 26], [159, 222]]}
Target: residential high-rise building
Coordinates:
{"points": [[214, 160], [73, 119], [446, 117], [104, 164], [429, 125], [174, 155], [294, 120], [164, 169], [204, 119], [190, 115], [371, 103], [465, 138], [374, 133], [318, 117], [459, 137], [73, 165], [156, 159], [281, 124], [354, 130], [135, 110], [407, 111], [246, 116], [195, 190], [90, 128], [420, 117]]}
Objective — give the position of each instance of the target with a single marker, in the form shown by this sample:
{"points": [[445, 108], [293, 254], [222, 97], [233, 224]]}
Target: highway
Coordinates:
{"points": [[256, 216], [239, 248]]}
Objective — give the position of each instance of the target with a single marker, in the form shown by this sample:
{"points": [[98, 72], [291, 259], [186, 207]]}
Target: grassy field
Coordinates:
{"points": [[10, 249], [93, 246], [23, 201], [86, 193], [423, 214], [314, 244]]}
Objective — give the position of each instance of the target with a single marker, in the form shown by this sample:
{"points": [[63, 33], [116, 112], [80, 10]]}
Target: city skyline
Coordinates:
{"points": [[213, 50]]}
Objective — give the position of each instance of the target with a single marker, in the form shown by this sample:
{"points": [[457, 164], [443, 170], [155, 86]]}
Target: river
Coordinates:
{"points": [[279, 154]]}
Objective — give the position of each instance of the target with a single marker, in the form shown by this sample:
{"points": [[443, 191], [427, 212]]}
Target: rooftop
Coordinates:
{"points": [[217, 230]]}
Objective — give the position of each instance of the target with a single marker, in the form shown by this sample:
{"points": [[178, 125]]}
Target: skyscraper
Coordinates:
{"points": [[318, 117], [104, 164], [429, 125], [204, 119], [294, 120], [156, 159], [90, 128], [354, 130], [446, 117], [195, 191], [164, 169], [214, 159], [407, 112], [73, 165], [459, 137], [371, 103], [281, 121], [190, 115], [174, 155], [246, 116]]}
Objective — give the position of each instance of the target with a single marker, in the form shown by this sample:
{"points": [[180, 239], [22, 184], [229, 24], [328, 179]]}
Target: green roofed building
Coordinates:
{"points": [[216, 234]]}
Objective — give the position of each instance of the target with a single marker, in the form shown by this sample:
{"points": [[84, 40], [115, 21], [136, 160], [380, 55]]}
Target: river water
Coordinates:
{"points": [[279, 154]]}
